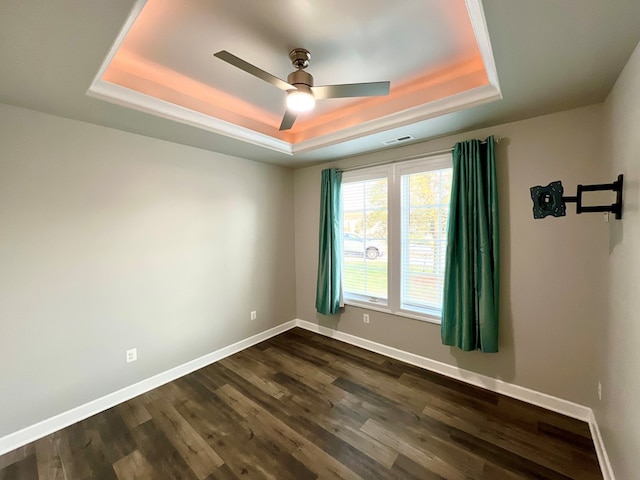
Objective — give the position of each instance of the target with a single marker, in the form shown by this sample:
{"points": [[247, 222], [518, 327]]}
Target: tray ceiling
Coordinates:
{"points": [[436, 54], [550, 55]]}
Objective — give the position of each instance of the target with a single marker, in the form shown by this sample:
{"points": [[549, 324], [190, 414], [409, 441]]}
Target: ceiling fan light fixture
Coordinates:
{"points": [[300, 100], [301, 92]]}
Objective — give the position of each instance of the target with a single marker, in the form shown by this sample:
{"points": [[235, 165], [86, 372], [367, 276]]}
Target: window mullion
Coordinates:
{"points": [[395, 239]]}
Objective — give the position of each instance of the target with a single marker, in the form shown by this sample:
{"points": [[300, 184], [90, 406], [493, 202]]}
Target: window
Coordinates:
{"points": [[364, 224], [394, 223]]}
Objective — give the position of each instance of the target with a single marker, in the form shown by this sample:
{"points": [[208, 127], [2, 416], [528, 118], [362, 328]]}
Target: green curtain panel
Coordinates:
{"points": [[329, 288], [472, 276]]}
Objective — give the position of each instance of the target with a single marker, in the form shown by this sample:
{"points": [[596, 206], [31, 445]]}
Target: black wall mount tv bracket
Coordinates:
{"points": [[550, 200]]}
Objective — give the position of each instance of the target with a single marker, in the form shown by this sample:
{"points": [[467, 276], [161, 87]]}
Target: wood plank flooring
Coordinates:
{"points": [[302, 406]]}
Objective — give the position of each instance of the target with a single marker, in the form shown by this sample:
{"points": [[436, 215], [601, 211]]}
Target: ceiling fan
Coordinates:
{"points": [[301, 94]]}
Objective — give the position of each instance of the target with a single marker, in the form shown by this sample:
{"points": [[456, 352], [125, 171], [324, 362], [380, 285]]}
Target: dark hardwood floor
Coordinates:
{"points": [[302, 406]]}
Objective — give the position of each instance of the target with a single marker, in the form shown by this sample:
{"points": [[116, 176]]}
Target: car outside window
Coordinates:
{"points": [[395, 227]]}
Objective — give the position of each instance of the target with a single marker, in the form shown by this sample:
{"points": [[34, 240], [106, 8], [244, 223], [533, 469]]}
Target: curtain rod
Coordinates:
{"points": [[405, 159]]}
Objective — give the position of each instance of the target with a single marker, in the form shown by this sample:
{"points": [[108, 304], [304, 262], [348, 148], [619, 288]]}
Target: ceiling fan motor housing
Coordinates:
{"points": [[300, 77]]}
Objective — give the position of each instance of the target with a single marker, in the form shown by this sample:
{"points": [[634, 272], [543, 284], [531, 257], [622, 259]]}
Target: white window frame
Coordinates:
{"points": [[371, 173], [394, 172]]}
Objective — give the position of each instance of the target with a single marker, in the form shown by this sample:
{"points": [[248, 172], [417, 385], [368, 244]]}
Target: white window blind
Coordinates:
{"points": [[365, 214], [394, 223], [425, 212]]}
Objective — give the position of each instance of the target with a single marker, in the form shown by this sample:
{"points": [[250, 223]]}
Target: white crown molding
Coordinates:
{"points": [[41, 429], [479, 24], [131, 18], [139, 101], [453, 103]]}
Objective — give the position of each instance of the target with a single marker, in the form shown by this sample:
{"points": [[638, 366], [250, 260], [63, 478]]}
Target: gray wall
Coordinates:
{"points": [[553, 284], [110, 240], [618, 414]]}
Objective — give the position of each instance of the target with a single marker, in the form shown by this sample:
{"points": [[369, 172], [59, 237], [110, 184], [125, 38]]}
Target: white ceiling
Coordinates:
{"points": [[436, 55], [550, 55], [353, 41]]}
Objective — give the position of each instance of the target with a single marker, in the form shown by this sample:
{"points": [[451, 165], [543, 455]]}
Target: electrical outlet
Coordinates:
{"points": [[599, 390], [254, 315], [365, 317], [132, 355]]}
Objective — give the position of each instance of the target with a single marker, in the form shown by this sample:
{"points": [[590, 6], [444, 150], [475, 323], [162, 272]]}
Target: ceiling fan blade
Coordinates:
{"points": [[287, 120], [253, 70], [372, 89]]}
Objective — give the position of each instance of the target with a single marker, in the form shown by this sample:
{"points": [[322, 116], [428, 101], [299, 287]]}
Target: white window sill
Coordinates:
{"points": [[399, 313]]}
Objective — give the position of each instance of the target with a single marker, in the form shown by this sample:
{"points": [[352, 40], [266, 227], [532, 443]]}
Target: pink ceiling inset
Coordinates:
{"points": [[166, 53]]}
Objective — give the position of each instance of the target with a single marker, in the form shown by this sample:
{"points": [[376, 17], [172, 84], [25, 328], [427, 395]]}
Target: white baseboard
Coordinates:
{"points": [[34, 432], [603, 458], [29, 434], [549, 402]]}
